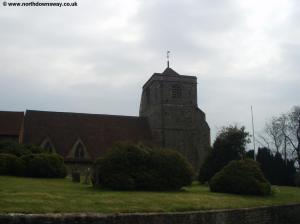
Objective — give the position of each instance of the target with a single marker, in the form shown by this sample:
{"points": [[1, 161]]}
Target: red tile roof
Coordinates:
{"points": [[97, 132], [11, 123]]}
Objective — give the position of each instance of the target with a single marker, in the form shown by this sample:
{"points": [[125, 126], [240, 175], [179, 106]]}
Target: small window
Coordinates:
{"points": [[176, 91], [79, 151]]}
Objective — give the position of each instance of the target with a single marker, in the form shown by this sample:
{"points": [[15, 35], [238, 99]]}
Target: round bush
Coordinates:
{"points": [[133, 167], [240, 177], [44, 165], [10, 165], [171, 170]]}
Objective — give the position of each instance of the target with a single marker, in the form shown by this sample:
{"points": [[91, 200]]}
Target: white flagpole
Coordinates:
{"points": [[253, 136]]}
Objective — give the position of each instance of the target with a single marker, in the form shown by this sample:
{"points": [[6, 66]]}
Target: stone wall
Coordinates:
{"points": [[286, 214], [169, 101]]}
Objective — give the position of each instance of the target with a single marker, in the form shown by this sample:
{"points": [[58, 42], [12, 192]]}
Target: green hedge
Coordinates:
{"points": [[11, 165], [29, 160], [240, 177], [44, 165], [134, 167], [11, 147]]}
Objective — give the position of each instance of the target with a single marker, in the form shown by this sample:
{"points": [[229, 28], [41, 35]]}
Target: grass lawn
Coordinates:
{"points": [[28, 195]]}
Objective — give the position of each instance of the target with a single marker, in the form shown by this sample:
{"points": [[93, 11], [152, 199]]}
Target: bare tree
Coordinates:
{"points": [[292, 133], [274, 131], [283, 134], [263, 141], [283, 125]]}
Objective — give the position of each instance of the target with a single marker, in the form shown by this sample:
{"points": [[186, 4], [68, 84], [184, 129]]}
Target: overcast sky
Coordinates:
{"points": [[95, 57]]}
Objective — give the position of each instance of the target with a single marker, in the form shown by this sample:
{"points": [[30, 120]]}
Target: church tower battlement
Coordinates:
{"points": [[169, 102]]}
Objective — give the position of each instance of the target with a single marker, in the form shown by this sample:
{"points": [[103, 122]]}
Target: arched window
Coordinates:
{"points": [[47, 145], [176, 91], [79, 151]]}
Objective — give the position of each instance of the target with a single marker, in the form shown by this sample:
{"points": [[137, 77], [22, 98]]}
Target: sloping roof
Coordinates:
{"points": [[170, 75], [11, 123], [169, 71], [98, 132]]}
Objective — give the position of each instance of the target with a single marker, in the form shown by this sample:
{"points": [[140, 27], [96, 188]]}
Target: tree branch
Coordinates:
{"points": [[290, 140]]}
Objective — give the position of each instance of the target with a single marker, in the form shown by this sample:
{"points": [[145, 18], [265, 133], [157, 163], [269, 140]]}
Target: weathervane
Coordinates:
{"points": [[168, 57]]}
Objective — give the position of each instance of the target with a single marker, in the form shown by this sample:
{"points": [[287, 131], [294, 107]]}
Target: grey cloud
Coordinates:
{"points": [[73, 60]]}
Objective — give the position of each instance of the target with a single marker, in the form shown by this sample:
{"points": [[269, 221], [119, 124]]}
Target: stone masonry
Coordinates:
{"points": [[169, 101]]}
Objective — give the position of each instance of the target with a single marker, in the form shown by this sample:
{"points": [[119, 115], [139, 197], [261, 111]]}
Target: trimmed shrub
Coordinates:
{"points": [[29, 160], [35, 149], [11, 147], [171, 170], [240, 177], [115, 169], [44, 165], [10, 165], [134, 167]]}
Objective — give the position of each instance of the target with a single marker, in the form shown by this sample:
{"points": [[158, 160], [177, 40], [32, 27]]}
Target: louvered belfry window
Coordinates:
{"points": [[176, 91]]}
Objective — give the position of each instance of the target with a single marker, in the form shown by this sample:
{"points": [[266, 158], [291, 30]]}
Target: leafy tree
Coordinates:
{"points": [[297, 179], [275, 169], [265, 157], [278, 169], [290, 173], [249, 154], [229, 145]]}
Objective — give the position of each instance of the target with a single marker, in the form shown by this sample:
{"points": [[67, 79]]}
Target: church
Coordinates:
{"points": [[169, 117]]}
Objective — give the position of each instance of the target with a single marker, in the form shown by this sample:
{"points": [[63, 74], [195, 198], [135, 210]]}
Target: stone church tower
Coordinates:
{"points": [[169, 101]]}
